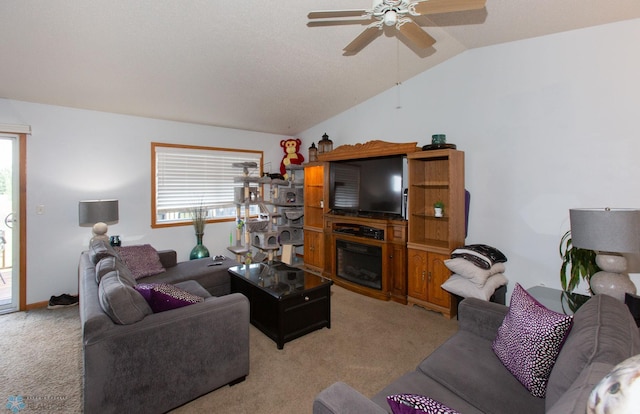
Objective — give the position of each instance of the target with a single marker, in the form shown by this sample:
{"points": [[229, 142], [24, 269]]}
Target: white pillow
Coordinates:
{"points": [[461, 286], [475, 274]]}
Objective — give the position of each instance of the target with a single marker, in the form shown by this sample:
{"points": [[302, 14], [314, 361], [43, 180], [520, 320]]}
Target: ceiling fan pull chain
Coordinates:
{"points": [[398, 83]]}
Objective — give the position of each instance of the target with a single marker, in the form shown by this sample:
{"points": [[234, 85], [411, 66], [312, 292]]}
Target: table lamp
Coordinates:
{"points": [[97, 214], [609, 232]]}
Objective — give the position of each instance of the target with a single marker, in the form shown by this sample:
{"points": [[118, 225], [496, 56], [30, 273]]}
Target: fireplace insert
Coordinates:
{"points": [[359, 263]]}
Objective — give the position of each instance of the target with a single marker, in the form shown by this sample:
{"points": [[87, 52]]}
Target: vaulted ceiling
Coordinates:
{"points": [[252, 65]]}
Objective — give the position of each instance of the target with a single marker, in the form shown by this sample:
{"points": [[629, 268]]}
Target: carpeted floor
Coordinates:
{"points": [[40, 361], [370, 343]]}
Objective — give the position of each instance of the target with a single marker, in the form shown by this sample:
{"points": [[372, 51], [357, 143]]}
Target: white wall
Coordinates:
{"points": [[77, 154], [546, 124]]}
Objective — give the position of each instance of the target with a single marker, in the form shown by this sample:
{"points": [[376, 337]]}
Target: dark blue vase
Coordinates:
{"points": [[200, 251]]}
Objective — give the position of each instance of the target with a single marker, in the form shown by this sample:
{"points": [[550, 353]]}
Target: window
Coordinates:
{"points": [[187, 177]]}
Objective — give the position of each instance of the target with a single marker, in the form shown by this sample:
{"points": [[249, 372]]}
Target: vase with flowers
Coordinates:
{"points": [[199, 215]]}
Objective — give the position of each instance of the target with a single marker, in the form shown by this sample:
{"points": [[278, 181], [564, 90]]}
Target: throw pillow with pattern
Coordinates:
{"points": [[142, 260], [529, 340], [164, 296], [417, 404]]}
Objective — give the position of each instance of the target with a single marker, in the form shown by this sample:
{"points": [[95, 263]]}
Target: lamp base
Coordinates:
{"points": [[100, 232], [612, 284], [612, 280]]}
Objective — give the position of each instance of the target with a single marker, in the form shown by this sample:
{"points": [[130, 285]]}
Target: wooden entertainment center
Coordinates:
{"points": [[408, 253]]}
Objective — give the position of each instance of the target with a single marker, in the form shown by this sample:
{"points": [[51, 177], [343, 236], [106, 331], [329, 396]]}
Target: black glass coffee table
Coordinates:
{"points": [[286, 302]]}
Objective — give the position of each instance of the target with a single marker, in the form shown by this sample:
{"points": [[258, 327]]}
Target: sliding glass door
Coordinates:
{"points": [[9, 223]]}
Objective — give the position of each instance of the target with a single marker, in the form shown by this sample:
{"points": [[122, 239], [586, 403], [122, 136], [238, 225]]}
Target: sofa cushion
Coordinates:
{"points": [[104, 266], [475, 274], [619, 391], [417, 404], [164, 296], [529, 340], [603, 331], [99, 249], [467, 366], [120, 300], [142, 260], [574, 400], [215, 279], [194, 288]]}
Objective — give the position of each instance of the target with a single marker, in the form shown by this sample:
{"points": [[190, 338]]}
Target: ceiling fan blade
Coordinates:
{"points": [[415, 34], [320, 23], [448, 6], [330, 14], [362, 40]]}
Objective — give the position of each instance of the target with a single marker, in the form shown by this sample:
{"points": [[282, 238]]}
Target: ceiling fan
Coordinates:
{"points": [[398, 13]]}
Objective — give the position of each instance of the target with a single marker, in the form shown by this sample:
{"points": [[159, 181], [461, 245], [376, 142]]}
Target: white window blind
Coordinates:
{"points": [[192, 177]]}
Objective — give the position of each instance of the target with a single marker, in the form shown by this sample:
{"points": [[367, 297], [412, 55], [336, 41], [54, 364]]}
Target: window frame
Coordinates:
{"points": [[188, 222]]}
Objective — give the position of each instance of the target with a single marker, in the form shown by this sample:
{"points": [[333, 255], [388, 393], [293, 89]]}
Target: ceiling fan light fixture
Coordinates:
{"points": [[398, 13], [390, 18]]}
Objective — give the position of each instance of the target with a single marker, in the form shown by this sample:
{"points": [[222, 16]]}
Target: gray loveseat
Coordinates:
{"points": [[167, 358], [465, 374]]}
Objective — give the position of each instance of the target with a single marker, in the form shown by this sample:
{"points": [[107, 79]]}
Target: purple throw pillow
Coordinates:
{"points": [[142, 260], [529, 340], [417, 404], [163, 296]]}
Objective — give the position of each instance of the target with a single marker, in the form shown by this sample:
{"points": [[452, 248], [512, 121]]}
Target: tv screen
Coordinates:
{"points": [[368, 185]]}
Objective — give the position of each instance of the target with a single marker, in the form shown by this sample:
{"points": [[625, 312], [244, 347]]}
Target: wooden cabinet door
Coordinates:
{"points": [[437, 274], [417, 274], [398, 271], [313, 249]]}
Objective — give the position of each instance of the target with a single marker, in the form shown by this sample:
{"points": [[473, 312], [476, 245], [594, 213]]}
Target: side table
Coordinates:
{"points": [[499, 296], [558, 300]]}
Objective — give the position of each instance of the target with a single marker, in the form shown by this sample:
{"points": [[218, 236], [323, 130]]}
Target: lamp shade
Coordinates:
{"points": [[91, 212], [606, 229]]}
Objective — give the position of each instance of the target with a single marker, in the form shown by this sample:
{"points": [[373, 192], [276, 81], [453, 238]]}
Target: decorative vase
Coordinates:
{"points": [[437, 211], [200, 251]]}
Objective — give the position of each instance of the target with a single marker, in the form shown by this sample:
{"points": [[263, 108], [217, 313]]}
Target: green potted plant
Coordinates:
{"points": [[438, 209], [577, 264]]}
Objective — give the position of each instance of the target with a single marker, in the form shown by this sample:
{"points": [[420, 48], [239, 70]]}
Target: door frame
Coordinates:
{"points": [[21, 132], [22, 217]]}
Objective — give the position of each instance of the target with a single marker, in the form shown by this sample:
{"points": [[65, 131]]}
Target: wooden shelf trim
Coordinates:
{"points": [[429, 216], [368, 150], [432, 184]]}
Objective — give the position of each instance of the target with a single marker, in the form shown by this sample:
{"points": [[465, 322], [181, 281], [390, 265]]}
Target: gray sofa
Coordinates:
{"points": [[465, 374], [167, 358]]}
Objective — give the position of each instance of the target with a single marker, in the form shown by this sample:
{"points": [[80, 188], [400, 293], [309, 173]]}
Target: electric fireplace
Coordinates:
{"points": [[359, 263]]}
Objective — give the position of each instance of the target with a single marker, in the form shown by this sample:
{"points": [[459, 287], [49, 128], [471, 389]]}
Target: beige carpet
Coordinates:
{"points": [[370, 343], [40, 360]]}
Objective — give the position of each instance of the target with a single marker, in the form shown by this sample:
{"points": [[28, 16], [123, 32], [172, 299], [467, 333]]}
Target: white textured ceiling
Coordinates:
{"points": [[250, 64]]}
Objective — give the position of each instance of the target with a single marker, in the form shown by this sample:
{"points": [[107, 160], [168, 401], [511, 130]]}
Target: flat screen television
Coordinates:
{"points": [[368, 186]]}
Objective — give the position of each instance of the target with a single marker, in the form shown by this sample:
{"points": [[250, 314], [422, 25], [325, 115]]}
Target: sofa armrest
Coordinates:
{"points": [[168, 258], [340, 398], [480, 317], [202, 346]]}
